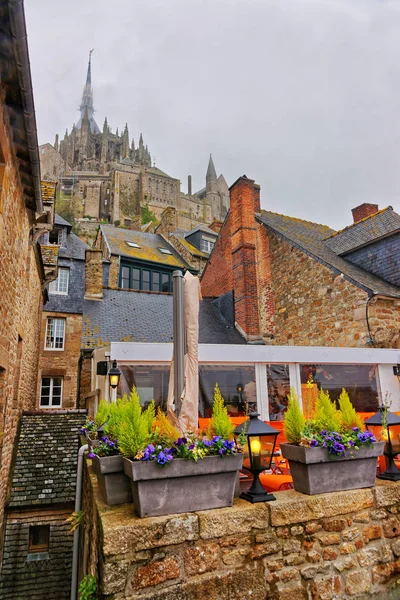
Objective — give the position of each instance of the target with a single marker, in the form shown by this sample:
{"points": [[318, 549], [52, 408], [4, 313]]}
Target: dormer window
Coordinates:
{"points": [[55, 237], [206, 245], [165, 251], [132, 244]]}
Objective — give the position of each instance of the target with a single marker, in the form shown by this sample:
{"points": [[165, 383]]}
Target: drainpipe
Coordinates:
{"points": [[78, 506]]}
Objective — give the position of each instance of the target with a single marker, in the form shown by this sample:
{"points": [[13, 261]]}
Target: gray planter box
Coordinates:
{"points": [[113, 483], [315, 471], [184, 485], [92, 440]]}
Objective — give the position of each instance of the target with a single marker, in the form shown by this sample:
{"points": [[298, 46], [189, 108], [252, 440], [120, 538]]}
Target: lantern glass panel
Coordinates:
{"points": [[394, 434], [114, 380], [261, 451]]}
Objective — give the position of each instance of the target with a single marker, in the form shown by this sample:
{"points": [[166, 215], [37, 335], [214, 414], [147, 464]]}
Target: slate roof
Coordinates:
{"points": [[131, 316], [46, 462], [149, 243], [366, 231], [157, 171], [311, 238], [202, 227], [190, 248], [60, 221]]}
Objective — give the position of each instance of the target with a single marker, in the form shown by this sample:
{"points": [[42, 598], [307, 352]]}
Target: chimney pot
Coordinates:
{"points": [[189, 185]]}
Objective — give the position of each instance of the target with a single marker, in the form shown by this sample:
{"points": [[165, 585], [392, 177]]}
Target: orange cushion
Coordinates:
{"points": [[275, 482]]}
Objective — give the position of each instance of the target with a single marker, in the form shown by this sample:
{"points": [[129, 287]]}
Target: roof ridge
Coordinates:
{"points": [[382, 210], [295, 219]]}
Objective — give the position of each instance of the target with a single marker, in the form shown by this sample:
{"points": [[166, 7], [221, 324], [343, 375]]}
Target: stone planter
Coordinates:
{"points": [[113, 483], [184, 485], [91, 439], [315, 471]]}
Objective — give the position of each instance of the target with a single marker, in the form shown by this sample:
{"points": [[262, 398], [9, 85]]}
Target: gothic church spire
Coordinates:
{"points": [[87, 100]]}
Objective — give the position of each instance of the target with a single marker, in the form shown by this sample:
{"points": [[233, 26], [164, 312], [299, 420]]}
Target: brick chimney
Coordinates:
{"points": [[215, 226], [93, 274], [244, 201], [363, 211], [168, 221]]}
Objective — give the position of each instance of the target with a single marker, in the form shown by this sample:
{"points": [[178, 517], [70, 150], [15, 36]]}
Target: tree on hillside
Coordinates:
{"points": [[146, 215]]}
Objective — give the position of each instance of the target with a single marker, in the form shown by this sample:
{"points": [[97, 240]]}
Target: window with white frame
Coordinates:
{"points": [[51, 392], [206, 245], [55, 334], [60, 285]]}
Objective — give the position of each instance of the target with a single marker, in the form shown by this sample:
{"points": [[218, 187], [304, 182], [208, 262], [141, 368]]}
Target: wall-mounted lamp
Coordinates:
{"points": [[114, 374], [396, 371]]}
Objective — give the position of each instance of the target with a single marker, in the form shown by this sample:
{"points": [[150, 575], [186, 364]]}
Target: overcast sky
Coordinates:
{"points": [[301, 95]]}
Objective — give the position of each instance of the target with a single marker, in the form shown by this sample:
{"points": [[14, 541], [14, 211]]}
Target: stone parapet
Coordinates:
{"points": [[332, 546]]}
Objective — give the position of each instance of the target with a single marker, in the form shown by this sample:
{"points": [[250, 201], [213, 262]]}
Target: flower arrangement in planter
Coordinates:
{"points": [[331, 451], [170, 472]]}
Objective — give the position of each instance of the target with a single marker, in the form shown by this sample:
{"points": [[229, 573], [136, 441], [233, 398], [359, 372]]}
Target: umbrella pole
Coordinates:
{"points": [[179, 338]]}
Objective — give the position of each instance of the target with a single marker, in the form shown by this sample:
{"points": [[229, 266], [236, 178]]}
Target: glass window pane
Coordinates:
{"points": [[50, 333], [155, 282], [150, 381], [278, 390], [59, 333], [135, 278], [165, 286], [125, 277], [237, 384], [360, 382], [145, 280]]}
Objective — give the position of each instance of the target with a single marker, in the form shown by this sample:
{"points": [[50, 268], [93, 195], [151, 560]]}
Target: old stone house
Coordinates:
{"points": [[61, 320], [300, 283], [114, 177], [138, 260], [24, 216]]}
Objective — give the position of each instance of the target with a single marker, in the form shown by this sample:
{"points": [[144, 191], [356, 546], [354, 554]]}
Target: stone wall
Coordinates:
{"points": [[332, 546], [93, 274], [62, 363], [20, 305]]}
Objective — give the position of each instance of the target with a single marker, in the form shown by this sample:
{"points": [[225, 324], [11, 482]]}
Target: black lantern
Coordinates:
{"points": [[396, 371], [390, 436], [258, 453], [114, 374]]}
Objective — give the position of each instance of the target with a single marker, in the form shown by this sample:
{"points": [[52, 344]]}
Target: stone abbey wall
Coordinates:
{"points": [[342, 545]]}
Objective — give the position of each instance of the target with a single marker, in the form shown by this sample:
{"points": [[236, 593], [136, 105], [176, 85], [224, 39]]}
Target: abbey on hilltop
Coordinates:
{"points": [[114, 177]]}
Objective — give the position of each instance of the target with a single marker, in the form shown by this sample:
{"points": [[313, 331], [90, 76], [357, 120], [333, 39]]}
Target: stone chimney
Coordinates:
{"points": [[363, 211], [189, 185], [215, 226], [93, 274], [244, 199], [168, 221]]}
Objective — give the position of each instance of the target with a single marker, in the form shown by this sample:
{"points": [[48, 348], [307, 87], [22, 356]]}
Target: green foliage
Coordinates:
{"points": [[117, 223], [88, 588], [136, 426], [115, 417], [165, 433], [76, 519], [220, 422], [70, 209], [294, 419], [349, 416], [146, 215], [103, 413], [327, 416]]}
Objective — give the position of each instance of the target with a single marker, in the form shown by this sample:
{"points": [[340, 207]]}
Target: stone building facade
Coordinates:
{"points": [[114, 177], [298, 283], [23, 217], [61, 321]]}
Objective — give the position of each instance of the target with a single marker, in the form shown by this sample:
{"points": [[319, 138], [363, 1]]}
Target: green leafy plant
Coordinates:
{"points": [[103, 413], [349, 416], [294, 419], [136, 426], [76, 519], [327, 416], [88, 588], [164, 434], [220, 424], [146, 215], [117, 223]]}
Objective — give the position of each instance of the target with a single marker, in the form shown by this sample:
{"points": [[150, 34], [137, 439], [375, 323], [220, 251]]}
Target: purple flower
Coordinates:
{"points": [[91, 455], [150, 448], [216, 438], [314, 443], [338, 448], [104, 439], [355, 429], [207, 443], [82, 431], [229, 445], [324, 432], [222, 451], [181, 441], [191, 446], [351, 443], [111, 444]]}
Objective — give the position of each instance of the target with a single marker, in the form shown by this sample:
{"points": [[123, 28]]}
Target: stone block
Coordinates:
{"points": [[346, 563], [362, 517], [290, 546], [295, 559], [329, 539], [313, 556], [290, 591], [293, 507], [369, 556], [274, 564], [313, 527], [334, 524], [325, 588], [114, 575], [330, 553], [396, 547], [351, 534], [381, 573], [386, 493], [200, 559], [347, 548], [124, 533], [358, 582], [236, 556], [261, 550], [297, 530], [242, 517], [311, 571], [155, 573], [378, 515], [372, 532], [391, 527]]}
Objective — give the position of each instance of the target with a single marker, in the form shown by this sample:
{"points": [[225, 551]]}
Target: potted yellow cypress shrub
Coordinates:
{"points": [[331, 451]]}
